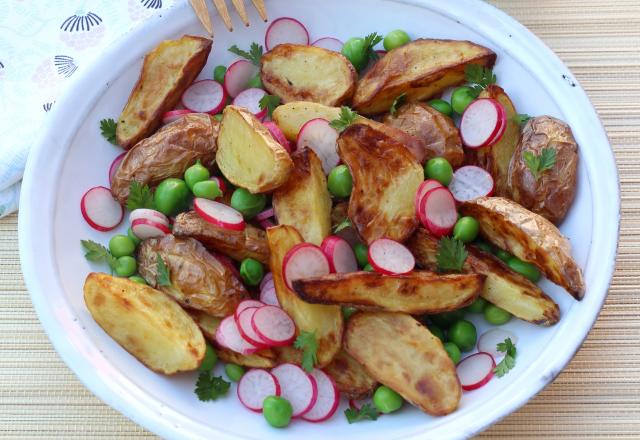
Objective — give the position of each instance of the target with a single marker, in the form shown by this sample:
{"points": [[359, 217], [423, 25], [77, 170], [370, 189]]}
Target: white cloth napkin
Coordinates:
{"points": [[42, 44]]}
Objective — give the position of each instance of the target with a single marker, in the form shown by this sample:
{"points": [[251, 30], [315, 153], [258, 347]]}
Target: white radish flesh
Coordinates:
{"points": [[221, 185], [390, 257], [475, 371], [329, 43], [250, 99], [438, 211], [501, 129], [237, 77], [490, 339], [328, 398], [470, 182], [299, 388], [278, 135], [228, 335], [246, 304], [273, 326], [206, 96], [340, 254], [304, 260], [319, 136], [144, 228], [266, 279], [219, 214], [174, 115], [100, 209], [113, 169], [244, 322], [481, 122], [268, 295], [256, 385], [286, 30], [423, 189], [149, 214]]}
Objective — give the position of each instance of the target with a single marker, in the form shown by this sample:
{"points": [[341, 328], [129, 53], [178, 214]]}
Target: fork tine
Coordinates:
{"points": [[221, 6], [201, 10], [242, 12], [262, 10]]}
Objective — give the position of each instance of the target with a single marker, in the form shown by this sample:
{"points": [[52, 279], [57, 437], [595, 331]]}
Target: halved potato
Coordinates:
{"points": [[415, 293], [166, 72], [304, 201], [145, 322], [529, 237], [325, 321], [350, 377], [290, 117], [247, 153], [402, 354], [309, 73]]}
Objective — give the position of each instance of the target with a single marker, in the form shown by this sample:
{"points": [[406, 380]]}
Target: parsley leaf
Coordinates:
{"points": [[307, 341], [396, 102], [96, 253], [367, 412], [370, 42], [538, 164], [108, 129], [479, 78], [162, 272], [140, 196], [270, 102], [451, 255], [521, 118], [509, 360], [254, 54], [344, 224], [347, 117], [210, 387]]}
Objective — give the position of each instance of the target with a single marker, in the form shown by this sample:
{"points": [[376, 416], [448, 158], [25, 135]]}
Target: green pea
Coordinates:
{"points": [[395, 39], [368, 268], [386, 400], [121, 245], [483, 245], [251, 271], [207, 189], [340, 182], [171, 196], [442, 106], [525, 269], [463, 334], [234, 372], [362, 254], [255, 82], [126, 266], [466, 229], [133, 237], [347, 312], [461, 98], [218, 117], [437, 332], [277, 411], [495, 315], [218, 73], [445, 319], [355, 49], [453, 351], [138, 279], [503, 255], [439, 169], [477, 306], [210, 359], [248, 204], [196, 173]]}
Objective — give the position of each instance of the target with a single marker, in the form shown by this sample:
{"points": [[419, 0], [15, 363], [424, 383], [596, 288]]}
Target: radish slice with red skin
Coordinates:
{"points": [[149, 214], [246, 304], [304, 260], [278, 135], [390, 257], [319, 136], [237, 77], [489, 340], [221, 185], [144, 228], [100, 209], [244, 322], [228, 335], [475, 371], [298, 387], [423, 189], [286, 30], [206, 96], [256, 385], [266, 279], [438, 211], [267, 213], [250, 99], [340, 254], [327, 401], [481, 122], [219, 214], [470, 182], [113, 168], [329, 43], [268, 295], [174, 115], [273, 326], [501, 129], [266, 224]]}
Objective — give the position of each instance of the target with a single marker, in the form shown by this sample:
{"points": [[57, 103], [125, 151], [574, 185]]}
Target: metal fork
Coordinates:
{"points": [[202, 11]]}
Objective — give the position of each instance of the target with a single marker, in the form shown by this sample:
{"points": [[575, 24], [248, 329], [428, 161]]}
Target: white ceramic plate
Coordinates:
{"points": [[71, 156]]}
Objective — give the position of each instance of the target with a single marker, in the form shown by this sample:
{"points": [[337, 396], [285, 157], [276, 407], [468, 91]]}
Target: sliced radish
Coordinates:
{"points": [[273, 326], [318, 135], [206, 96], [100, 209], [423, 189], [250, 99], [266, 224], [149, 214], [174, 115], [268, 295], [286, 30], [329, 43], [475, 371], [256, 385], [328, 398], [221, 185], [237, 77], [266, 280], [219, 214], [390, 257], [304, 260], [438, 211], [470, 182], [267, 213], [244, 322], [246, 304], [144, 228], [228, 335], [278, 135], [501, 129], [490, 339], [340, 254], [298, 387], [481, 122], [113, 169]]}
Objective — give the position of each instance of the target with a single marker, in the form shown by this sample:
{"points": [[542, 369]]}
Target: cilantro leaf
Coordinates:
{"points": [[96, 252], [397, 102], [479, 78], [451, 255], [370, 42], [307, 342], [367, 412], [210, 387], [540, 163], [270, 102], [162, 272], [140, 196], [509, 360], [347, 117], [344, 224], [254, 54], [108, 130], [521, 118]]}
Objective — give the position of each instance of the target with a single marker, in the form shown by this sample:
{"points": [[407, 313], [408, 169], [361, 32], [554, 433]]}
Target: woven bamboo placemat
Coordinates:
{"points": [[597, 396]]}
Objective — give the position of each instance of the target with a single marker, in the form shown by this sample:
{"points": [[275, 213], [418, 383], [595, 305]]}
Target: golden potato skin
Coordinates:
{"points": [[249, 243], [167, 153], [304, 201], [402, 354], [386, 177], [145, 322], [421, 69], [350, 377], [198, 279], [166, 73], [529, 237], [415, 293], [552, 194], [290, 117], [308, 73]]}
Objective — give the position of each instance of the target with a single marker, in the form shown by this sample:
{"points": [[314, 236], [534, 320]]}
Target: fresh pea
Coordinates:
{"points": [[439, 169], [207, 189], [437, 332], [218, 117], [453, 351], [251, 271], [255, 82], [133, 237], [503, 255], [466, 229], [442, 106], [368, 268], [121, 245], [362, 254], [463, 333], [477, 306], [395, 39], [210, 359], [495, 315], [355, 49], [218, 73], [248, 204], [126, 266], [196, 173], [483, 245], [171, 196], [386, 400], [461, 98], [445, 319], [525, 269], [340, 182], [347, 312], [277, 411], [138, 279], [234, 372]]}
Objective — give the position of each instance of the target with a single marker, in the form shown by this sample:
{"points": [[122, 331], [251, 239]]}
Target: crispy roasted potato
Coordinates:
{"points": [[350, 377], [167, 153], [552, 194], [198, 279], [308, 73], [145, 322], [288, 355], [249, 243], [420, 69], [402, 354], [304, 201], [292, 116], [502, 287], [415, 293], [339, 215], [325, 321], [166, 72], [247, 153], [386, 177], [529, 237]]}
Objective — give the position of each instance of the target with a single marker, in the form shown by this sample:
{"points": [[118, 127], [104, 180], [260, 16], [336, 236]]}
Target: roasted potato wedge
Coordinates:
{"points": [[502, 287], [339, 215], [145, 322], [420, 69], [198, 279], [415, 293], [288, 355], [308, 73], [249, 243], [325, 321], [247, 153], [292, 116], [350, 377], [386, 177], [166, 72], [550, 195], [304, 201], [529, 237], [167, 153], [402, 354]]}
